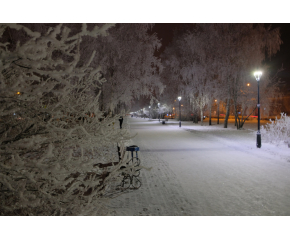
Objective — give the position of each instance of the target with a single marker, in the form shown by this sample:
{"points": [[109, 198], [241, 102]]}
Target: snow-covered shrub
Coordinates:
{"points": [[277, 131], [53, 137]]}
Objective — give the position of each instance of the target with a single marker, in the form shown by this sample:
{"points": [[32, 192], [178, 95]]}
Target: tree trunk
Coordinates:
{"points": [[201, 116], [236, 117], [218, 112], [195, 116], [227, 114], [209, 122], [235, 109], [238, 123]]}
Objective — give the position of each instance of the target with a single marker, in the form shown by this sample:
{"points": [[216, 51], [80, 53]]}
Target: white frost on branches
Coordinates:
{"points": [[52, 134], [278, 131]]}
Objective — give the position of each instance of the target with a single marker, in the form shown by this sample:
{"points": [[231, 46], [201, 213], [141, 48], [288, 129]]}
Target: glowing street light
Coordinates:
{"points": [[179, 99], [258, 77], [159, 110], [149, 112]]}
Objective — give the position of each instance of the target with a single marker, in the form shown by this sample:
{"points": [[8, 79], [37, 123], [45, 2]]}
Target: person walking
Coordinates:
{"points": [[121, 121]]}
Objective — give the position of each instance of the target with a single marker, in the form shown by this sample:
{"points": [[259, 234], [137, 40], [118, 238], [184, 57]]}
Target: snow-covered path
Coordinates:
{"points": [[206, 170]]}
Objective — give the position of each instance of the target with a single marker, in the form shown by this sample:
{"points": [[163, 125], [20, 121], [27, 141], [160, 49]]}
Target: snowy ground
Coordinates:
{"points": [[206, 171]]}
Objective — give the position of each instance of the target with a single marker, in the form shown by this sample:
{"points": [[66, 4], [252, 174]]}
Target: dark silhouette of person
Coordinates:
{"points": [[121, 121]]}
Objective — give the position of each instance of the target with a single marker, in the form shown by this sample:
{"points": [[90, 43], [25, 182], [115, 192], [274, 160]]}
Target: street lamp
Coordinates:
{"points": [[258, 76], [179, 98], [159, 110], [149, 112]]}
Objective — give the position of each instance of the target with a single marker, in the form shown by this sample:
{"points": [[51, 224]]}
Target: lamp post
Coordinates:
{"points": [[159, 110], [258, 77], [179, 98], [149, 112]]}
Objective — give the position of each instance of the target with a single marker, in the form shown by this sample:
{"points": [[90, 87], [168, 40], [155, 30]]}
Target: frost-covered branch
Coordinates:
{"points": [[52, 130]]}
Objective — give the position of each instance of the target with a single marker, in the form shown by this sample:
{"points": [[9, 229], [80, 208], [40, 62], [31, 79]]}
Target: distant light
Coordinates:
{"points": [[173, 108], [248, 84], [18, 93], [179, 98], [181, 105], [215, 100], [149, 106]]}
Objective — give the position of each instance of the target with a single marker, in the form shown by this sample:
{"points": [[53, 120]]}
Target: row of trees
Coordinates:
{"points": [[216, 62]]}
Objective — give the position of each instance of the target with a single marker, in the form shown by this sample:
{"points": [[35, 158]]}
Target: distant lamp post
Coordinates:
{"points": [[159, 110], [149, 112], [258, 77], [179, 99]]}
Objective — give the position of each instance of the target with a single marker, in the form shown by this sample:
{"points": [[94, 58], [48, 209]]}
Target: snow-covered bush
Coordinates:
{"points": [[54, 140], [278, 131]]}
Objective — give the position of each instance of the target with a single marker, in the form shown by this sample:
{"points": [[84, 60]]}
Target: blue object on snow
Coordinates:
{"points": [[132, 148]]}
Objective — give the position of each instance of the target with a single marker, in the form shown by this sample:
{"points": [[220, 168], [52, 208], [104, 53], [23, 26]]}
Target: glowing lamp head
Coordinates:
{"points": [[179, 98], [258, 75], [149, 106], [158, 104]]}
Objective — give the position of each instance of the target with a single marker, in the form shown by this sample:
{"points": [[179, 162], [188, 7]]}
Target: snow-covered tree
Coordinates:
{"points": [[128, 63], [217, 61], [54, 140], [242, 48], [191, 63]]}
